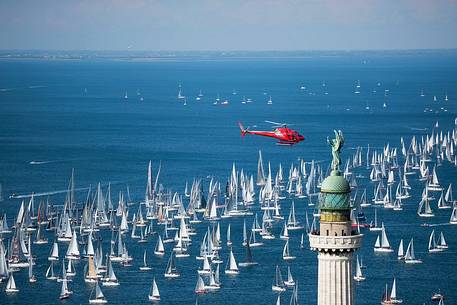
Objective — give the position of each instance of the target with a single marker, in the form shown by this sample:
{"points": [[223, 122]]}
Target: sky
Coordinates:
{"points": [[186, 25]]}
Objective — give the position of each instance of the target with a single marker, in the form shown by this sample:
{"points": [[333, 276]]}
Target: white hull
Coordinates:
{"points": [[98, 301], [413, 261], [383, 250], [359, 278], [278, 289]]}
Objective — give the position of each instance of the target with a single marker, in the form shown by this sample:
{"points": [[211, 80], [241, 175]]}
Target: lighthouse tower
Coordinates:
{"points": [[335, 241]]}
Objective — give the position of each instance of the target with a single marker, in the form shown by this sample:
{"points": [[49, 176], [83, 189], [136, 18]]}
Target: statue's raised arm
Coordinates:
{"points": [[336, 145]]}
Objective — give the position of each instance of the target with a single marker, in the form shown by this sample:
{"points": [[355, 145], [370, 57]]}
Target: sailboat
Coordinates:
{"points": [[432, 246], [200, 286], [206, 268], [382, 244], [98, 298], [424, 205], [249, 261], [284, 233], [374, 227], [410, 257], [392, 297], [358, 272], [292, 223], [294, 296], [32, 278], [110, 278], [232, 267], [50, 272], [40, 240], [286, 253], [270, 101], [171, 271], [290, 280], [229, 240], [154, 294], [180, 96], [442, 244], [214, 283], [73, 250], [11, 285], [64, 291], [54, 256], [91, 275], [159, 249], [145, 266], [278, 283]]}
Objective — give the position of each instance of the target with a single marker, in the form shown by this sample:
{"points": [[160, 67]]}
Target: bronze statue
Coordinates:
{"points": [[336, 145]]}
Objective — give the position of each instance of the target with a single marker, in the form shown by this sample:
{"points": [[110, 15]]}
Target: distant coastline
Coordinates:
{"points": [[207, 55]]}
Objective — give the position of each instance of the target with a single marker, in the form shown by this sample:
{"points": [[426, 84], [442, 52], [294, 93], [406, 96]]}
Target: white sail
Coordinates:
{"points": [[400, 250], [200, 286], [73, 249], [384, 241], [11, 285], [393, 293], [54, 252]]}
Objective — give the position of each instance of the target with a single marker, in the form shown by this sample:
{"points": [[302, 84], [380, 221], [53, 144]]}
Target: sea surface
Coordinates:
{"points": [[56, 115]]}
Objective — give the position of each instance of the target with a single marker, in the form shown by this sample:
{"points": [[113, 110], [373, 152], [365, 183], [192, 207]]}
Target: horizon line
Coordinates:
{"points": [[224, 51]]}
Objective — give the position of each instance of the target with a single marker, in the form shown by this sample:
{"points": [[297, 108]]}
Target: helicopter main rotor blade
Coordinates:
{"points": [[274, 123]]}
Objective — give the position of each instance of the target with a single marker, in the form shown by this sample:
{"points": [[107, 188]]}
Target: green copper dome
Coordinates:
{"points": [[335, 193], [335, 183]]}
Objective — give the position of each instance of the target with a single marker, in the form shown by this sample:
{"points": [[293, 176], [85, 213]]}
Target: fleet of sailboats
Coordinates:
{"points": [[270, 202]]}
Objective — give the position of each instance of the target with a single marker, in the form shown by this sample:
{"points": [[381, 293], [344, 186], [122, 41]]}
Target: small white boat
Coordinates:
{"points": [[358, 272], [442, 245], [206, 269], [200, 286], [145, 266], [159, 249], [432, 246], [391, 298], [286, 252], [171, 271], [54, 256], [50, 275], [290, 280], [278, 283], [154, 294], [374, 227], [410, 257], [382, 244], [98, 298], [232, 267]]}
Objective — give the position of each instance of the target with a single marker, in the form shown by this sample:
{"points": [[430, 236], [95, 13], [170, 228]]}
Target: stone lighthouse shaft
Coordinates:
{"points": [[335, 241]]}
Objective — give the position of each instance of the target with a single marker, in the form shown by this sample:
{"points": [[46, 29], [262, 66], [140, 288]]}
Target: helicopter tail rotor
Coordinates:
{"points": [[243, 130]]}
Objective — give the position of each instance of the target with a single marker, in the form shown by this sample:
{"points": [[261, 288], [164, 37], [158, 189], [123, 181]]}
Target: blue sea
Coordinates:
{"points": [[64, 114]]}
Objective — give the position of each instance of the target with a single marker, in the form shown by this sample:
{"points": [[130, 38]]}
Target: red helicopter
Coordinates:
{"points": [[281, 132]]}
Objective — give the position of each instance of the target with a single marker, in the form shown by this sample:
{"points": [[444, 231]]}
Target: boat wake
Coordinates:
{"points": [[418, 129], [20, 196], [39, 162]]}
